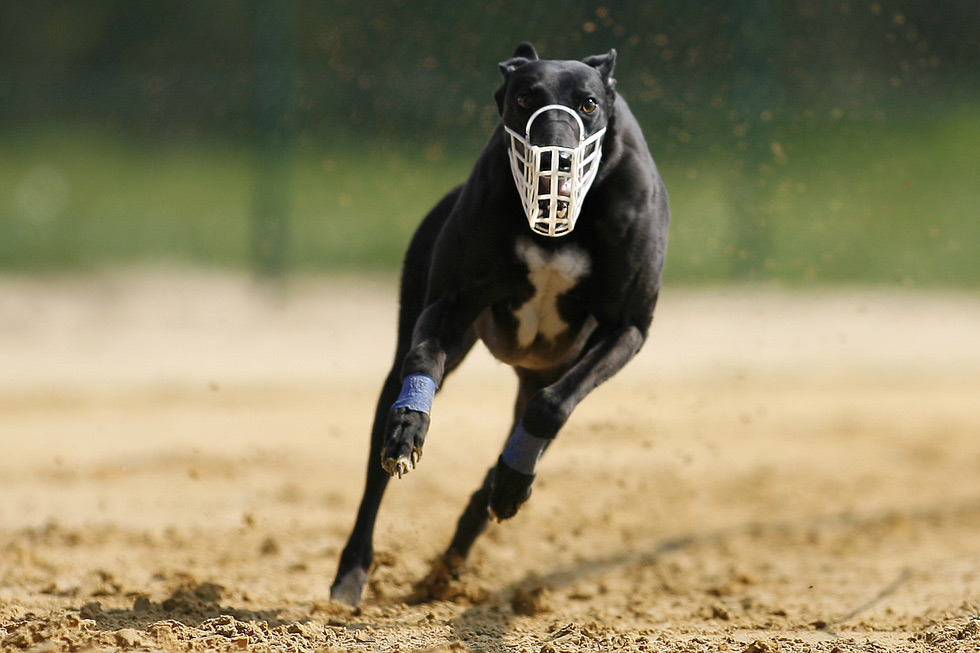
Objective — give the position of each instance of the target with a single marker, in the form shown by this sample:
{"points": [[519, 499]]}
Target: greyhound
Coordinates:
{"points": [[551, 253]]}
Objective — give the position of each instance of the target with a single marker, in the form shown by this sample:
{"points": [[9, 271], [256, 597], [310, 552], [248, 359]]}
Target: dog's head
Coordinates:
{"points": [[587, 87], [555, 114]]}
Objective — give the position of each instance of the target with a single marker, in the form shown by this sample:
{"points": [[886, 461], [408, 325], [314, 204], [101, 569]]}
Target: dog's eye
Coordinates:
{"points": [[524, 101], [588, 106]]}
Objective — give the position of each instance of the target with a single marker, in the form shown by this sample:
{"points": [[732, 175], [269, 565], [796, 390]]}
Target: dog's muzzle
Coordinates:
{"points": [[552, 180]]}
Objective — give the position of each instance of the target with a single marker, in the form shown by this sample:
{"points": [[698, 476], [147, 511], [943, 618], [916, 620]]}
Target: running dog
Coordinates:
{"points": [[550, 253]]}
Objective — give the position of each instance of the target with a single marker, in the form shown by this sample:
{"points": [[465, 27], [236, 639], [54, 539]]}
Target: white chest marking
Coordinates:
{"points": [[551, 274]]}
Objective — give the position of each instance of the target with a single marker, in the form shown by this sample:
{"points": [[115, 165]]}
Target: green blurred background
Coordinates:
{"points": [[804, 142]]}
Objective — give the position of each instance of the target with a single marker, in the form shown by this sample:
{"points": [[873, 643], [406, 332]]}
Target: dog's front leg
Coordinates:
{"points": [[404, 437], [609, 349], [442, 337]]}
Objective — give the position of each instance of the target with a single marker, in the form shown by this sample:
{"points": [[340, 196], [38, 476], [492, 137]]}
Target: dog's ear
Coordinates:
{"points": [[604, 63], [523, 54], [509, 66], [527, 51]]}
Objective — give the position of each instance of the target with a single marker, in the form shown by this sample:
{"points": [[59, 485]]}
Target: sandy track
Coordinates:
{"points": [[183, 454]]}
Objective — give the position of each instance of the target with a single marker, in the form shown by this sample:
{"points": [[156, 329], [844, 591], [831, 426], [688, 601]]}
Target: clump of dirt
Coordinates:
{"points": [[93, 627], [531, 602], [68, 630], [447, 580], [761, 647], [955, 633]]}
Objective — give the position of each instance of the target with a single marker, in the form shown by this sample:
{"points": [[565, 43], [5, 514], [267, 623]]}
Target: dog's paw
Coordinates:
{"points": [[508, 491], [347, 588], [404, 436]]}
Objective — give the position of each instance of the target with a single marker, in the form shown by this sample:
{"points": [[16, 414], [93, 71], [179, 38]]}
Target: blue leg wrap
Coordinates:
{"points": [[417, 393], [523, 450]]}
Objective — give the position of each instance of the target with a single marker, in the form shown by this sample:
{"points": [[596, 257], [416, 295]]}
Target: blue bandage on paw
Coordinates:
{"points": [[523, 450], [417, 393]]}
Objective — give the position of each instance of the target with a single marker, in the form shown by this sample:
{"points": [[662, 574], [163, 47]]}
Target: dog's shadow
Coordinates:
{"points": [[493, 614], [498, 607]]}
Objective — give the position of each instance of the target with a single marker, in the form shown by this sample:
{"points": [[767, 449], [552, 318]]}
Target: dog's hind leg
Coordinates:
{"points": [[355, 561]]}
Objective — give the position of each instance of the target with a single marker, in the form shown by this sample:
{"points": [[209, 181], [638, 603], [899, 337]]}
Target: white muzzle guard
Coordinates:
{"points": [[552, 180]]}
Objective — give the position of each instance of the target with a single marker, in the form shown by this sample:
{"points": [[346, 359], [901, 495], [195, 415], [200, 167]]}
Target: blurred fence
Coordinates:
{"points": [[267, 134]]}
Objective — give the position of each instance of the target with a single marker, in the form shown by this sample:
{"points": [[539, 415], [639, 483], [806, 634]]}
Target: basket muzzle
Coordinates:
{"points": [[552, 180]]}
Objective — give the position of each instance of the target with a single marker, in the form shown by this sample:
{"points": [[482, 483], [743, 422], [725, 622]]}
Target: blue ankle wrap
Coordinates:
{"points": [[523, 450], [417, 393]]}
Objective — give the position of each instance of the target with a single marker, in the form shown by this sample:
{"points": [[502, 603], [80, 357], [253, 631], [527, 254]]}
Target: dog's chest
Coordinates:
{"points": [[551, 273]]}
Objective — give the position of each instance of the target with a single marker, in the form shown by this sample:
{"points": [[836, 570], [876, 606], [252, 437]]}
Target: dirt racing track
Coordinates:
{"points": [[182, 455]]}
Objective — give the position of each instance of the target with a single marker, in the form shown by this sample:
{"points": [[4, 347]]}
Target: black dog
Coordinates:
{"points": [[559, 284]]}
